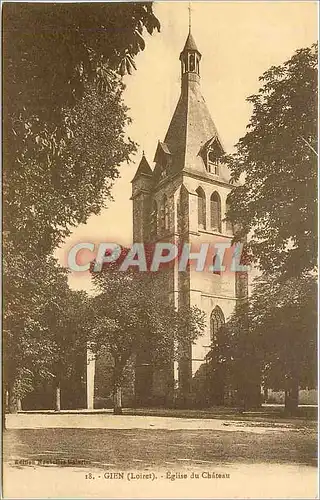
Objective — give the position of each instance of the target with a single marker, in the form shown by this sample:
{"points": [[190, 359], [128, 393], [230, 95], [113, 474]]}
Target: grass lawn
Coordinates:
{"points": [[265, 413], [160, 448]]}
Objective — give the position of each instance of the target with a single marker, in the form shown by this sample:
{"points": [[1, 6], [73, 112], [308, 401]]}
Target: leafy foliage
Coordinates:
{"points": [[51, 50], [235, 359], [271, 339], [277, 202], [275, 206], [64, 118], [131, 317], [52, 185], [284, 317], [43, 324], [64, 141]]}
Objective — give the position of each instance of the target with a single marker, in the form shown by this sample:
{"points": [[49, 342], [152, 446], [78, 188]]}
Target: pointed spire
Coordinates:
{"points": [[192, 132], [190, 44], [190, 56], [143, 168], [191, 128]]}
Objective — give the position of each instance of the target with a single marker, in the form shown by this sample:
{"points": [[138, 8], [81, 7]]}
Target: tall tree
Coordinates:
{"points": [[64, 119], [44, 326], [29, 346], [275, 203], [283, 316], [129, 317], [277, 157], [64, 141], [269, 340], [235, 360], [68, 324]]}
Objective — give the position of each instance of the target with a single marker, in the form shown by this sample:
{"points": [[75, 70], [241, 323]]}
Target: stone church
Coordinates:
{"points": [[184, 200]]}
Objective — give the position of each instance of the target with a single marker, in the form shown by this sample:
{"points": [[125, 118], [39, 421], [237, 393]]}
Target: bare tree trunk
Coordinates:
{"points": [[292, 397], [265, 393], [117, 410], [117, 389], [13, 406], [5, 406], [19, 405], [58, 397]]}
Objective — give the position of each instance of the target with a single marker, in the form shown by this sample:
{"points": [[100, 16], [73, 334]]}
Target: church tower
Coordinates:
{"points": [[185, 200]]}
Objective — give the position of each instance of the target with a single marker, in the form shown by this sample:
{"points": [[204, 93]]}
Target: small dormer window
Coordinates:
{"points": [[164, 160], [212, 154], [213, 163], [165, 167]]}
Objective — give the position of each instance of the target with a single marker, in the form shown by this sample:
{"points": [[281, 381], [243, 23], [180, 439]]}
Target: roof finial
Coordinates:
{"points": [[189, 8]]}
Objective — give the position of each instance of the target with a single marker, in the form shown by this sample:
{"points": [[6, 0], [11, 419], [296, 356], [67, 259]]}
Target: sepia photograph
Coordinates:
{"points": [[160, 249]]}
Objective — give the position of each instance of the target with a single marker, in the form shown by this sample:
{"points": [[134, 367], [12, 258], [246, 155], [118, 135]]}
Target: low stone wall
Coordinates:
{"points": [[306, 397]]}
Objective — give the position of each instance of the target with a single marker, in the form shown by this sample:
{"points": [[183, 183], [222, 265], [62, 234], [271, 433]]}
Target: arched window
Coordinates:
{"points": [[229, 225], [201, 208], [216, 322], [215, 211], [192, 62], [183, 209], [154, 219], [164, 213]]}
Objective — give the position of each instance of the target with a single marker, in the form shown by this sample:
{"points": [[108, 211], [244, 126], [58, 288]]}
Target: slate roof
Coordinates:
{"points": [[190, 130], [143, 168], [191, 127], [190, 44]]}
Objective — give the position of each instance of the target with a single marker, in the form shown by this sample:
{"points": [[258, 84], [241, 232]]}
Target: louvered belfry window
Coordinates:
{"points": [[201, 208], [166, 212], [215, 211], [153, 219], [192, 62], [229, 225]]}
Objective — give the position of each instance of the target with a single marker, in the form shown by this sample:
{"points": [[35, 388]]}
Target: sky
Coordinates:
{"points": [[238, 41]]}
